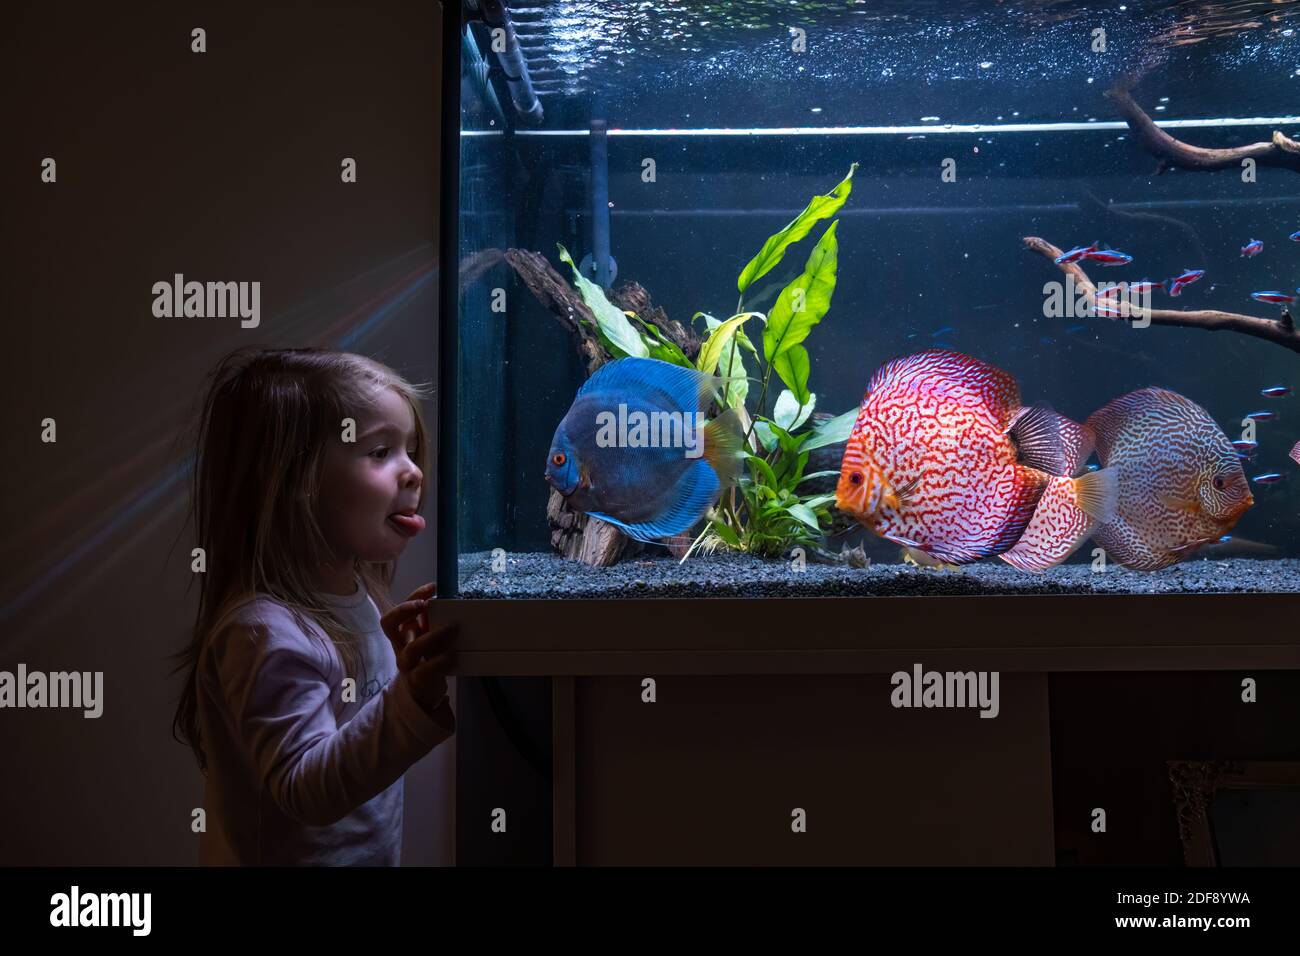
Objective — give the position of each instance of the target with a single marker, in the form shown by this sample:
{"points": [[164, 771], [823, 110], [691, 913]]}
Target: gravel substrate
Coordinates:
{"points": [[535, 575]]}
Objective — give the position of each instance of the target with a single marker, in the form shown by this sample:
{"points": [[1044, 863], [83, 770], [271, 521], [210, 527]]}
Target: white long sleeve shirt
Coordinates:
{"points": [[297, 774]]}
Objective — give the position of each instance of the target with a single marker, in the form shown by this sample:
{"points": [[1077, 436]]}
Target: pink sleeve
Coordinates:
{"points": [[275, 686]]}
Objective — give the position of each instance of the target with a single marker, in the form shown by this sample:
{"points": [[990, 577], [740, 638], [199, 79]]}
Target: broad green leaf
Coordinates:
{"points": [[764, 432], [719, 338], [792, 367], [764, 470], [818, 500], [805, 514], [788, 412], [732, 366], [832, 432], [821, 207], [726, 534], [816, 474], [800, 464], [666, 350], [619, 332], [799, 307], [789, 443]]}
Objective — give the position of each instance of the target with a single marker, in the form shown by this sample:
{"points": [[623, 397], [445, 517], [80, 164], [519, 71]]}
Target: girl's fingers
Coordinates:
{"points": [[427, 644], [437, 665], [402, 614]]}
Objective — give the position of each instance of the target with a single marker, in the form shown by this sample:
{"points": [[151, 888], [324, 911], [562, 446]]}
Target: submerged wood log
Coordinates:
{"points": [[1282, 332], [1281, 151], [585, 539], [631, 297]]}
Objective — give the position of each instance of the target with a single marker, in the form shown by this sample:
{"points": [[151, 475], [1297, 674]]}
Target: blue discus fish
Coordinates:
{"points": [[635, 450]]}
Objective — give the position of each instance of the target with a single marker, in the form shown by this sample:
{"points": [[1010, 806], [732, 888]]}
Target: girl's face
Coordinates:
{"points": [[366, 482]]}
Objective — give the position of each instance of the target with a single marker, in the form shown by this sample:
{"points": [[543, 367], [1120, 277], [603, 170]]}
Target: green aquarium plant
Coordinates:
{"points": [[767, 513]]}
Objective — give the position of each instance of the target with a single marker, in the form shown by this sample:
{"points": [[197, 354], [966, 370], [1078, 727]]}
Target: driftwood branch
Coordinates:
{"points": [[1281, 332], [1280, 151], [562, 301]]}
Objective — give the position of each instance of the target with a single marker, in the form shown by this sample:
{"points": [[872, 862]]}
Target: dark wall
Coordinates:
{"points": [[221, 166], [1112, 735]]}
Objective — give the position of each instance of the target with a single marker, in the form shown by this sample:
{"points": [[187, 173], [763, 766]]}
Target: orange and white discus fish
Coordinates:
{"points": [[1180, 480], [944, 460]]}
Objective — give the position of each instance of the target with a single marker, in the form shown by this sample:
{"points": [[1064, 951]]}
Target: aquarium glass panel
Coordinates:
{"points": [[878, 298]]}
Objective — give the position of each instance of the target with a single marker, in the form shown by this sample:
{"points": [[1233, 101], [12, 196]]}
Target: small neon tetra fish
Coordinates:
{"points": [[1108, 257], [1175, 285], [1276, 391], [1270, 478], [1075, 254], [1261, 416], [1252, 248], [1295, 237], [1245, 447], [1274, 297]]}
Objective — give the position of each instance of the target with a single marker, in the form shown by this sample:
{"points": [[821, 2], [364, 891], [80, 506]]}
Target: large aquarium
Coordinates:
{"points": [[872, 297]]}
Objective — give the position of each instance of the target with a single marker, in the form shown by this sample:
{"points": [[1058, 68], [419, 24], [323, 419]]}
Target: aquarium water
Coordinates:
{"points": [[929, 162]]}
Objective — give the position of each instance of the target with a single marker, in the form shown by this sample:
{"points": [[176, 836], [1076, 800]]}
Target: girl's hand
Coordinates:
{"points": [[425, 659]]}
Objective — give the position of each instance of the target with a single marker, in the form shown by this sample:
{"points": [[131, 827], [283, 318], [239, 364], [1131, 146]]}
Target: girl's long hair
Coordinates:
{"points": [[265, 425]]}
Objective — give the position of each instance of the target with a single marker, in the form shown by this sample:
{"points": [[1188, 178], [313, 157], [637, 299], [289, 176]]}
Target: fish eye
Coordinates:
{"points": [[856, 477], [558, 459], [1220, 482]]}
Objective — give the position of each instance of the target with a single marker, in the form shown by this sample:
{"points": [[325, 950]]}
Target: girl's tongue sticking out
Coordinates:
{"points": [[409, 525]]}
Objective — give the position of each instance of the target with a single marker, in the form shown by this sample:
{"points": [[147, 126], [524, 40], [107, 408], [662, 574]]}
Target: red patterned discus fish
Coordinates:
{"points": [[944, 460], [1295, 453], [1180, 480]]}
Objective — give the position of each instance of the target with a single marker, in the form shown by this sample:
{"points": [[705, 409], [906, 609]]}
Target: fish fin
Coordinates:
{"points": [[1067, 513], [723, 445], [1097, 494], [679, 388], [1295, 453], [1190, 506], [696, 491], [920, 559], [1037, 433], [897, 497]]}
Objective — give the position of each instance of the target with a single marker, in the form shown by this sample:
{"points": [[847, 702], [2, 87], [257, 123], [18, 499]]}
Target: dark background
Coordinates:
{"points": [[221, 166]]}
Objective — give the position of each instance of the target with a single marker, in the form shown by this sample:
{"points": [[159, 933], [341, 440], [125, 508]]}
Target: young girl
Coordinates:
{"points": [[303, 706]]}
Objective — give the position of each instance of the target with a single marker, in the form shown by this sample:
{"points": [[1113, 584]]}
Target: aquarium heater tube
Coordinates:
{"points": [[600, 203], [513, 65]]}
